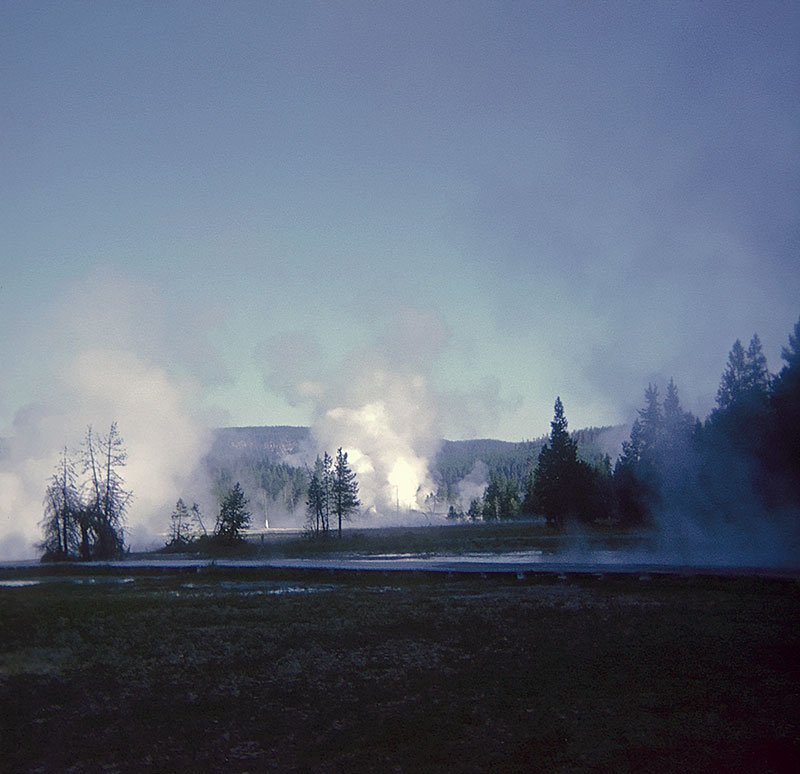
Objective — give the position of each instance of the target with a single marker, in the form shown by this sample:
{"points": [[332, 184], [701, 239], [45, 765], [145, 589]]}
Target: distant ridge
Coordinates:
{"points": [[282, 440], [454, 459], [274, 441]]}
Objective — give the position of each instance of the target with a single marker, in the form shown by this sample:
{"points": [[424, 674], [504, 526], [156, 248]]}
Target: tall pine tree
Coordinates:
{"points": [[318, 501], [557, 471], [233, 516], [344, 489]]}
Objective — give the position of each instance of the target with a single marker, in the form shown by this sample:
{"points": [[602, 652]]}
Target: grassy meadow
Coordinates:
{"points": [[435, 539], [232, 670]]}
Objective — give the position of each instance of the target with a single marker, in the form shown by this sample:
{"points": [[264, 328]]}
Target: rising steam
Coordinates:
{"points": [[128, 383], [378, 404]]}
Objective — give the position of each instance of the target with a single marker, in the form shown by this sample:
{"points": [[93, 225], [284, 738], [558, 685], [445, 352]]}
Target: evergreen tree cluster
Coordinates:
{"points": [[457, 459], [233, 517], [746, 453], [283, 485], [332, 492], [187, 531]]}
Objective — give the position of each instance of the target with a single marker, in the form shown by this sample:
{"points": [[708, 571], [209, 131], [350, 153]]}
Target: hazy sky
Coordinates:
{"points": [[505, 201]]}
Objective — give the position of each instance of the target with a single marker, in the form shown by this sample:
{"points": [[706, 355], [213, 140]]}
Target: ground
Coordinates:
{"points": [[259, 670]]}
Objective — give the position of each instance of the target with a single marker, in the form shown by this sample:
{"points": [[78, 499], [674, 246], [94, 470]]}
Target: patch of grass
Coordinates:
{"points": [[459, 538], [224, 672]]}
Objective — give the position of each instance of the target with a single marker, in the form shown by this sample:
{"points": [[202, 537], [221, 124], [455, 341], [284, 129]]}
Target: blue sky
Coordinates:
{"points": [[510, 200]]}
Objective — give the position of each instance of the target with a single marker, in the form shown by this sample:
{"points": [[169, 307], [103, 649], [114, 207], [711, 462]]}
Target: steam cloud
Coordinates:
{"points": [[92, 384], [378, 404]]}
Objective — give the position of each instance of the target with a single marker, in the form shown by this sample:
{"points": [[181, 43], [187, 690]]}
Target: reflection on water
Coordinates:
{"points": [[249, 589]]}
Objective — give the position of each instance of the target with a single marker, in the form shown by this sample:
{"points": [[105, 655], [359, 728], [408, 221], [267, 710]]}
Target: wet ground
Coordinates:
{"points": [[235, 668]]}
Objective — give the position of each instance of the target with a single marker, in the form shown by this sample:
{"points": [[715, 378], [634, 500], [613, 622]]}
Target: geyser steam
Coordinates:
{"points": [[378, 405], [104, 368]]}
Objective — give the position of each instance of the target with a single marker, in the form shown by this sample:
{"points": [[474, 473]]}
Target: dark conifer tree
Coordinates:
{"points": [[233, 516], [344, 489], [741, 417], [734, 378], [557, 474], [491, 499], [658, 446], [651, 426], [744, 388], [732, 446], [678, 424], [782, 453], [501, 498], [318, 502], [629, 491], [475, 510]]}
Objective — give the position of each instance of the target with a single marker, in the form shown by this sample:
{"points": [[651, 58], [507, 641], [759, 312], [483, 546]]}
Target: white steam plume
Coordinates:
{"points": [[387, 426], [98, 368], [378, 404], [164, 444]]}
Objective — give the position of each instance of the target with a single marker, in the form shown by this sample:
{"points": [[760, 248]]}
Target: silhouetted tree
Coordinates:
{"points": [[197, 518], [730, 477], [678, 424], [103, 518], [344, 489], [782, 452], [233, 516], [629, 490], [186, 524], [62, 504], [87, 519], [745, 383], [318, 502], [655, 458], [732, 383], [651, 425], [758, 377], [562, 483], [475, 510], [655, 455], [735, 435], [453, 514]]}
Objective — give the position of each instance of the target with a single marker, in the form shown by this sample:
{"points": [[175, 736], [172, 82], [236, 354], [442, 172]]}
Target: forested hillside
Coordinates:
{"points": [[269, 458]]}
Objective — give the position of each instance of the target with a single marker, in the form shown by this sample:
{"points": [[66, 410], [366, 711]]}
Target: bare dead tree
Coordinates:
{"points": [[108, 502]]}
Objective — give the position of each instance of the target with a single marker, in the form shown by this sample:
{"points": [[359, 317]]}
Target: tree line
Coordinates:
{"points": [[745, 454]]}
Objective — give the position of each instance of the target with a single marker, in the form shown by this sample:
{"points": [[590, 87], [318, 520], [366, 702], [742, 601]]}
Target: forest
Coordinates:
{"points": [[745, 456]]}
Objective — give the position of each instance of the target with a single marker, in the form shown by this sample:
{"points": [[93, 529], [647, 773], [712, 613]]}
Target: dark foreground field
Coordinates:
{"points": [[256, 671]]}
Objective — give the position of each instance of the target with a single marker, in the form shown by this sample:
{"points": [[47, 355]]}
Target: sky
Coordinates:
{"points": [[259, 213]]}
